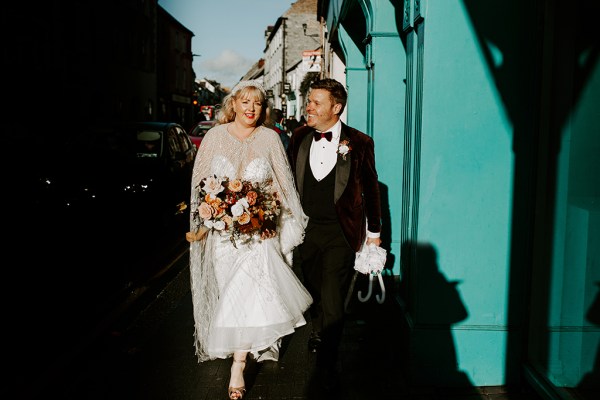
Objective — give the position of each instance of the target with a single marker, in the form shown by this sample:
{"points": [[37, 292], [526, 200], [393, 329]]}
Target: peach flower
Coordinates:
{"points": [[205, 211], [235, 185], [244, 219]]}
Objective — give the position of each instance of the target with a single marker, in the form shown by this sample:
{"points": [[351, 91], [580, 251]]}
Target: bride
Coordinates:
{"points": [[245, 295]]}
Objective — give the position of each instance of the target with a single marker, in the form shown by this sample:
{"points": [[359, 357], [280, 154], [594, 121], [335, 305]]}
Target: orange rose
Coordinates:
{"points": [[215, 202], [235, 185], [220, 213], [251, 197], [244, 218]]}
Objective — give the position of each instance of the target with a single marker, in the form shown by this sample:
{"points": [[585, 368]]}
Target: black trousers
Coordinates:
{"points": [[327, 263]]}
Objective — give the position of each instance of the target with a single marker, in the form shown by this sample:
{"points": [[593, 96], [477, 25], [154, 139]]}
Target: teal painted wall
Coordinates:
{"points": [[387, 88], [574, 336], [356, 78], [490, 163], [465, 192], [464, 177], [374, 76]]}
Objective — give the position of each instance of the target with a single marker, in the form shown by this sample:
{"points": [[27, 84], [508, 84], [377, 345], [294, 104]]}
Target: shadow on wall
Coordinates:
{"points": [[591, 381], [434, 305], [386, 228]]}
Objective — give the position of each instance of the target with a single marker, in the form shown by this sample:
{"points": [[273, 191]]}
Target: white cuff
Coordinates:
{"points": [[372, 235]]}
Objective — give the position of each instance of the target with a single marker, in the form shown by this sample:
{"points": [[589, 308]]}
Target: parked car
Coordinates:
{"points": [[140, 165], [164, 160], [199, 130], [105, 205]]}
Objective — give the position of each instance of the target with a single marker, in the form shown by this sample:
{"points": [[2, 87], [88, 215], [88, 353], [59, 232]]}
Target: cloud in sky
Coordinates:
{"points": [[219, 26], [227, 68]]}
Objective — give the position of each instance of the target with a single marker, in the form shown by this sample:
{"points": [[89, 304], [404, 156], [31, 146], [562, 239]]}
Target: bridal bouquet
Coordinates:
{"points": [[242, 208]]}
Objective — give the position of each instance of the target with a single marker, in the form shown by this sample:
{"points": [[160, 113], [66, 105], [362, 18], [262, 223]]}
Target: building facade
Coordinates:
{"points": [[295, 33], [486, 139], [176, 77]]}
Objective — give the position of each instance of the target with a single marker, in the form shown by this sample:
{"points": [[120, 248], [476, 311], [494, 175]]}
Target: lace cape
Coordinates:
{"points": [[260, 156]]}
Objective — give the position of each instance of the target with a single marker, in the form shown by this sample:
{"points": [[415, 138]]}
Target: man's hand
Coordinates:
{"points": [[374, 241]]}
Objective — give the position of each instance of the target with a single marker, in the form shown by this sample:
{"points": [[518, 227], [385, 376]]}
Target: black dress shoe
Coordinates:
{"points": [[314, 341]]}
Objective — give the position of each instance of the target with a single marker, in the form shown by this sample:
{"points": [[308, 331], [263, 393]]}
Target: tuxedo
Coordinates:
{"points": [[356, 196], [341, 206]]}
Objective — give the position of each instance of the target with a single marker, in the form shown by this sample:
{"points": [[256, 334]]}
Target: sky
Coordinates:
{"points": [[228, 34]]}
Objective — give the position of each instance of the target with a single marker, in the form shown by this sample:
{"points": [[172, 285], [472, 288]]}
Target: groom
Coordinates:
{"points": [[334, 168]]}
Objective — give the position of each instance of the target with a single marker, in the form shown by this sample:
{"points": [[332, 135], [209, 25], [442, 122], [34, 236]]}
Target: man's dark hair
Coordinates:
{"points": [[276, 115], [336, 90]]}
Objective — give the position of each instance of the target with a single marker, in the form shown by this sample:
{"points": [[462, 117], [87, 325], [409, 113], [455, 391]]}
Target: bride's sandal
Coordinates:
{"points": [[237, 393]]}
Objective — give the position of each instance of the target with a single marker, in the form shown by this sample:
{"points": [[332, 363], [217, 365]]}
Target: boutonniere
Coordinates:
{"points": [[344, 148]]}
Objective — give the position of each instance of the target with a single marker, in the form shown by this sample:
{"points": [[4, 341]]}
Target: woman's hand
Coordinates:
{"points": [[198, 235]]}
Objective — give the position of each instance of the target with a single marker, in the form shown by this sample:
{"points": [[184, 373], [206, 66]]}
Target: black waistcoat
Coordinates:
{"points": [[317, 197]]}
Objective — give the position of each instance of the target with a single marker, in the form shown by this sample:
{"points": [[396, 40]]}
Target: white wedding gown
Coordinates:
{"points": [[246, 298]]}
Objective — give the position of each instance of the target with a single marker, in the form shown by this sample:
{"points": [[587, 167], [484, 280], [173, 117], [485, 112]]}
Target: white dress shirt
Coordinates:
{"points": [[323, 154]]}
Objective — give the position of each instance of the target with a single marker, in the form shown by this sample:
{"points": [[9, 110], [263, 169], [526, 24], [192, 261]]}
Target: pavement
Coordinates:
{"points": [[148, 353]]}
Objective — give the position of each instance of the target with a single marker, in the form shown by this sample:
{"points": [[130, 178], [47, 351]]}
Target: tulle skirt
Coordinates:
{"points": [[260, 299]]}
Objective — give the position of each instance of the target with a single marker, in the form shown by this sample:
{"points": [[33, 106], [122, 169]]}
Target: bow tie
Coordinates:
{"points": [[320, 135]]}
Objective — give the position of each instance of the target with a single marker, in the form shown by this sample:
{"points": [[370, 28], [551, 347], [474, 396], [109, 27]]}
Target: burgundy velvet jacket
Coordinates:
{"points": [[357, 199]]}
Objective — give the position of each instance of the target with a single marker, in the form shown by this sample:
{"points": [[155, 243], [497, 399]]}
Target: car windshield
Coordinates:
{"points": [[149, 144], [202, 128]]}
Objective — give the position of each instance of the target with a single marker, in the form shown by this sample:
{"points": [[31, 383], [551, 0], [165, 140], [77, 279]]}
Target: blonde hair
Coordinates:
{"points": [[243, 90]]}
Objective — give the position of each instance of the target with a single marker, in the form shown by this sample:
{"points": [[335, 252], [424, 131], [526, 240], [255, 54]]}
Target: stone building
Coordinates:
{"points": [[296, 36]]}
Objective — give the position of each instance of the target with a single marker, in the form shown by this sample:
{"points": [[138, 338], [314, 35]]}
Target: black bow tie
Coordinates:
{"points": [[320, 135]]}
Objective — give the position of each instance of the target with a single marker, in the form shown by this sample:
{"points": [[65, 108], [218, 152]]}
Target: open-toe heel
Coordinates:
{"points": [[237, 393]]}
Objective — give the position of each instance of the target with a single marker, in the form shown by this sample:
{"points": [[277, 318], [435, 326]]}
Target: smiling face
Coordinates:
{"points": [[248, 109], [321, 111]]}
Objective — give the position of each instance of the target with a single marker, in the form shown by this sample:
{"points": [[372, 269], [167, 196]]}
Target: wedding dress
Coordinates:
{"points": [[246, 297]]}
